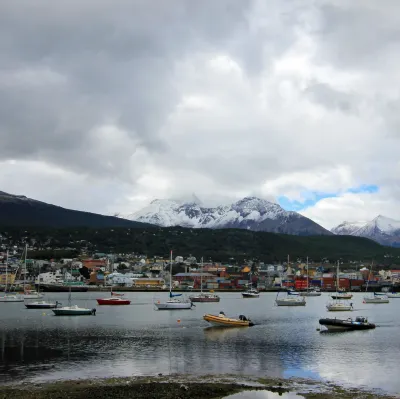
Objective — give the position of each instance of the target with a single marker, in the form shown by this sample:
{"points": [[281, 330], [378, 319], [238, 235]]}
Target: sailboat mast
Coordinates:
{"points": [[26, 250], [170, 275], [69, 292], [201, 277], [307, 273], [5, 290], [337, 277]]}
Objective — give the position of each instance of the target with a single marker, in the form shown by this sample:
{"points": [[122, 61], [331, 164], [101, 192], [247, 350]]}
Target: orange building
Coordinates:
{"points": [[94, 263]]}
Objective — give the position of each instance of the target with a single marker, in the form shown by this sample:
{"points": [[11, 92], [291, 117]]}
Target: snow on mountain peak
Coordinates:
{"points": [[249, 213]]}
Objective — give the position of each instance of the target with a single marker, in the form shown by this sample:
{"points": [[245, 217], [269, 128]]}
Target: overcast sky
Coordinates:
{"points": [[107, 105]]}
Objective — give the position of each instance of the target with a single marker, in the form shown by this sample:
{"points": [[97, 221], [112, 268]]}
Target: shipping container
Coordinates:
{"points": [[344, 283], [212, 286], [287, 284], [316, 282], [242, 282], [300, 284], [356, 283]]}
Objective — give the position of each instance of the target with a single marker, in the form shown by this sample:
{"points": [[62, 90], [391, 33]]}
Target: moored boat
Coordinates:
{"points": [[204, 297], [113, 301], [292, 299], [42, 305], [339, 307], [73, 310], [393, 295], [222, 321], [251, 293], [376, 299], [313, 291], [173, 303], [360, 323]]}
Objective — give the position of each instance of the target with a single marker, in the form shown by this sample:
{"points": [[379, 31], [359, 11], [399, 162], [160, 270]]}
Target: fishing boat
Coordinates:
{"points": [[42, 305], [375, 297], [8, 297], [290, 300], [204, 297], [73, 310], [251, 292], [339, 303], [309, 292], [222, 321], [360, 323], [173, 303]]}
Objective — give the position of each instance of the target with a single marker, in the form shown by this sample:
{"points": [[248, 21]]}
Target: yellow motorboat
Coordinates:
{"points": [[222, 321]]}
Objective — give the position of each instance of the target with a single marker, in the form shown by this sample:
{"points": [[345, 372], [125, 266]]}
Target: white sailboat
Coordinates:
{"points": [[250, 292], [339, 304], [313, 292], [73, 310], [374, 298], [204, 297], [29, 294], [7, 297], [173, 303]]}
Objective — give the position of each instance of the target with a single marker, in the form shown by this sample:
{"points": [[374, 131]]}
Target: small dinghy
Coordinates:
{"points": [[222, 321], [360, 323]]}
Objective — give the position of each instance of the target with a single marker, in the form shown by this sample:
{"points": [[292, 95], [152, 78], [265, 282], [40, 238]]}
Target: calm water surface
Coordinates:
{"points": [[139, 340]]}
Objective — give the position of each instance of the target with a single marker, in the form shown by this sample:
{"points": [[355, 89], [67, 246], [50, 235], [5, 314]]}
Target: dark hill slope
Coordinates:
{"points": [[18, 210]]}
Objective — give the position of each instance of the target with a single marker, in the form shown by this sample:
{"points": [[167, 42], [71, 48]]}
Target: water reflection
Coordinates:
{"points": [[264, 395], [138, 340]]}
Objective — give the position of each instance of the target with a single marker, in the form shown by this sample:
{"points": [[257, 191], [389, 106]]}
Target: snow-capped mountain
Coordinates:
{"points": [[348, 228], [382, 229], [249, 213]]}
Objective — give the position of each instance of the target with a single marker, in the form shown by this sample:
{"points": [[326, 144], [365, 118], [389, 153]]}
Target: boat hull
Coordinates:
{"points": [[343, 325], [113, 302], [343, 296], [376, 300], [282, 302], [40, 305], [173, 305], [61, 288], [217, 321], [395, 295], [11, 298], [334, 308], [250, 295], [310, 294], [73, 311], [205, 299]]}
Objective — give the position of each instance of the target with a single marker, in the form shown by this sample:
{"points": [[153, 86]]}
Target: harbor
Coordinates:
{"points": [[138, 340]]}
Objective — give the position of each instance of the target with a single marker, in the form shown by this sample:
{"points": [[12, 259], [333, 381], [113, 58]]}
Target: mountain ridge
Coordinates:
{"points": [[250, 213], [384, 230]]}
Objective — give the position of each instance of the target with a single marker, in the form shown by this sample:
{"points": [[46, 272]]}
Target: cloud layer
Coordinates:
{"points": [[106, 105]]}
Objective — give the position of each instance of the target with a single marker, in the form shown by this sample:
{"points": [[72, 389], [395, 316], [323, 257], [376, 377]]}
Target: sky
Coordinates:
{"points": [[107, 105]]}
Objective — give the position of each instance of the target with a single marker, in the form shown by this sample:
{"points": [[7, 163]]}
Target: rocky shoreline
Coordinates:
{"points": [[181, 386]]}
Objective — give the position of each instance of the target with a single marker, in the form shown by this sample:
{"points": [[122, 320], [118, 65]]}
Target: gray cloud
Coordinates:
{"points": [[225, 98]]}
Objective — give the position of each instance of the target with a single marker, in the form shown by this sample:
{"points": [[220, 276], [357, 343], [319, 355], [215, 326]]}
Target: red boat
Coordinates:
{"points": [[113, 301]]}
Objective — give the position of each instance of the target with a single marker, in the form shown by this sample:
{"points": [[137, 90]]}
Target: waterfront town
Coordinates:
{"points": [[135, 271]]}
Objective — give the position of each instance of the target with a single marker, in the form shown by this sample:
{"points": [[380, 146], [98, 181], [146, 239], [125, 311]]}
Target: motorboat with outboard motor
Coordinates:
{"points": [[360, 323], [222, 321]]}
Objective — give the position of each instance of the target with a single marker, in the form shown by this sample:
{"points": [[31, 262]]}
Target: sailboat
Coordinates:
{"points": [[73, 310], [29, 294], [9, 297], [340, 292], [173, 303], [250, 292], [203, 297], [291, 299], [374, 298], [113, 300], [313, 292], [337, 305]]}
